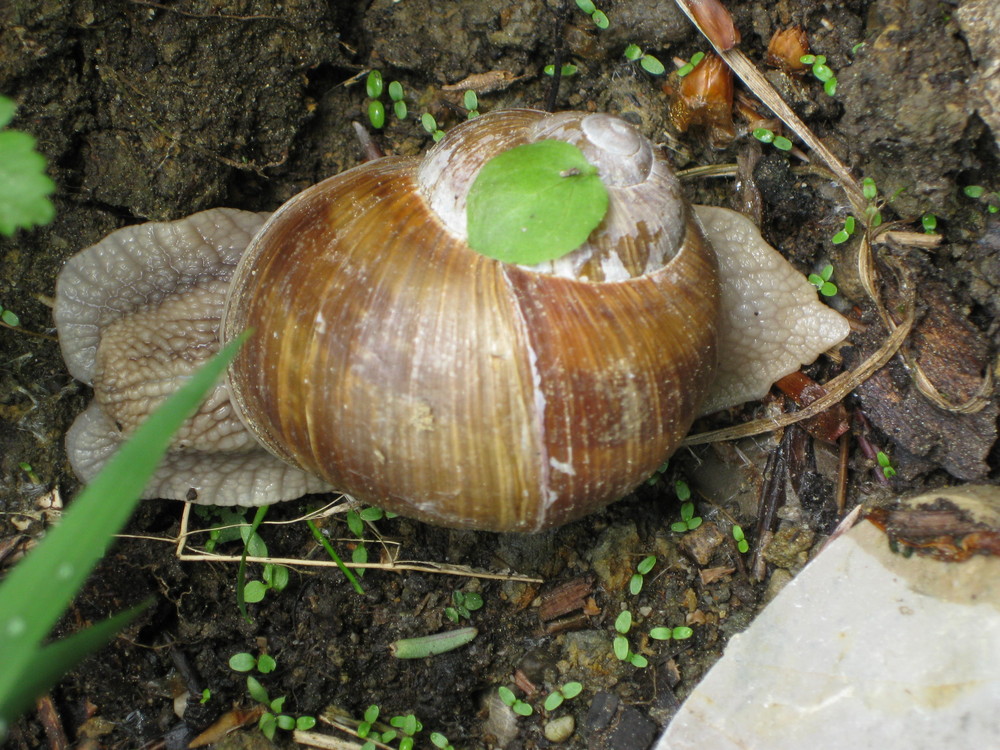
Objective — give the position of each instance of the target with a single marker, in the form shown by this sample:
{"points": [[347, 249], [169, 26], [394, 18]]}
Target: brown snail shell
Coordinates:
{"points": [[406, 369]]}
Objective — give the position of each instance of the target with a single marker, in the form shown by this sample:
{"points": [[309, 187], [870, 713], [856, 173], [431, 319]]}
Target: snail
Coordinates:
{"points": [[392, 362]]}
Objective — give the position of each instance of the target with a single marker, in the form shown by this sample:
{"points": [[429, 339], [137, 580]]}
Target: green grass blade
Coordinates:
{"points": [[61, 563], [53, 661]]}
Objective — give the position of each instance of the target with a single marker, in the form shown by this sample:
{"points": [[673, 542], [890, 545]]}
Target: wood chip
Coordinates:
{"points": [[565, 598], [711, 575]]}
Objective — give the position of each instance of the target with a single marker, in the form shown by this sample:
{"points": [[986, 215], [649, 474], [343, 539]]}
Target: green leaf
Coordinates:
{"points": [[600, 19], [829, 289], [807, 59], [587, 6], [473, 601], [682, 633], [305, 723], [822, 72], [470, 100], [10, 318], [267, 725], [694, 523], [571, 690], [838, 239], [638, 660], [506, 695], [535, 202], [255, 546], [624, 622], [652, 65], [257, 691], [266, 664], [242, 662], [371, 714], [683, 493], [763, 135], [553, 701], [278, 704], [286, 722], [738, 534], [62, 561], [620, 646], [399, 109], [439, 740], [428, 122], [407, 724], [254, 592], [830, 86], [633, 52], [661, 634], [24, 186], [522, 709], [645, 566], [868, 188], [743, 546], [279, 577], [781, 143], [373, 84], [396, 91], [355, 524], [679, 526], [359, 556], [929, 223], [371, 514], [376, 113], [635, 584]]}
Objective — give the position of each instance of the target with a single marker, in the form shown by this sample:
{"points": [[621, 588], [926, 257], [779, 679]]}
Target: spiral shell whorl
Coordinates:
{"points": [[644, 226]]}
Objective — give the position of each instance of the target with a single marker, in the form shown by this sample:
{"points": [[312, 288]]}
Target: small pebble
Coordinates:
{"points": [[561, 729]]}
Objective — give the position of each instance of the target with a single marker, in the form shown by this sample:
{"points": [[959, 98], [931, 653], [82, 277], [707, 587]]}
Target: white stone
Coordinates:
{"points": [[864, 649]]}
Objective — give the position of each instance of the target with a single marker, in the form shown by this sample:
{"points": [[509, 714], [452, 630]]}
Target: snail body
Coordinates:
{"points": [[392, 362]]}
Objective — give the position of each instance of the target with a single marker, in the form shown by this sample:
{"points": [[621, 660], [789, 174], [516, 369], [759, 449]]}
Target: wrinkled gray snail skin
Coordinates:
{"points": [[391, 362]]}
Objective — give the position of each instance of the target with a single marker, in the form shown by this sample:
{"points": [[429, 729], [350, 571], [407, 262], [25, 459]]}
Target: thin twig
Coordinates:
{"points": [[837, 389]]}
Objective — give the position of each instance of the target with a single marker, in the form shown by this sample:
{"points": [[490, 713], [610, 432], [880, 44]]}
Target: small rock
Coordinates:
{"points": [[789, 548], [561, 729], [701, 543], [635, 731], [602, 710], [613, 556]]}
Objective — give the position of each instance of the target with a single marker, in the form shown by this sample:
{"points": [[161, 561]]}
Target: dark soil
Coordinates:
{"points": [[149, 110]]}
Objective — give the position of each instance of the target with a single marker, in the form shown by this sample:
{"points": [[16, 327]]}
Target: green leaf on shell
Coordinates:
{"points": [[535, 202]]}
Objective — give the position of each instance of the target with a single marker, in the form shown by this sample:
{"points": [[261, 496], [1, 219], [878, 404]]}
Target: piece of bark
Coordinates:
{"points": [[954, 355]]}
